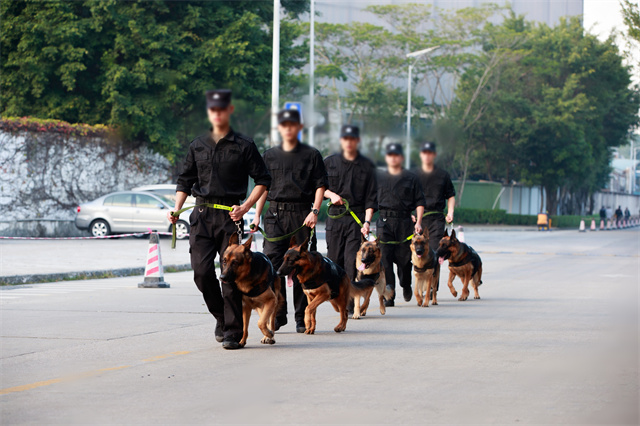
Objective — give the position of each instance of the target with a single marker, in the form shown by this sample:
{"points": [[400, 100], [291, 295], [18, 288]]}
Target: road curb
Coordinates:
{"points": [[84, 275]]}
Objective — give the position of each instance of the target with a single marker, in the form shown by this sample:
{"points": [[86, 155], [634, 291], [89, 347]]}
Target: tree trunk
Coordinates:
{"points": [[552, 199], [464, 176]]}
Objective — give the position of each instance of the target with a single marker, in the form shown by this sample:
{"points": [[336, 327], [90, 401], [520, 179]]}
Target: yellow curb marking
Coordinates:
{"points": [[85, 375]]}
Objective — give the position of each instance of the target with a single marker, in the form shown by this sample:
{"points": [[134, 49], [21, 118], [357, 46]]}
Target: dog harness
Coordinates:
{"points": [[373, 277], [269, 283], [332, 274], [433, 265], [472, 257]]}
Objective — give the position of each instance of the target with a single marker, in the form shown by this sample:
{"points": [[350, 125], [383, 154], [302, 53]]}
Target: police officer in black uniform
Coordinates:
{"points": [[295, 197], [438, 192], [352, 176], [399, 193], [216, 170]]}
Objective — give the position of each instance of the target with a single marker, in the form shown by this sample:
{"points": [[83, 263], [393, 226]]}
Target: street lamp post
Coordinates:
{"points": [[414, 55], [275, 73], [311, 72]]}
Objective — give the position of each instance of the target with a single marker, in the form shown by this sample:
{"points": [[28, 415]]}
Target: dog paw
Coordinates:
{"points": [[340, 328], [462, 298], [355, 316], [425, 305], [476, 297], [267, 340], [242, 343], [434, 303], [309, 331], [363, 313], [383, 311], [455, 293]]}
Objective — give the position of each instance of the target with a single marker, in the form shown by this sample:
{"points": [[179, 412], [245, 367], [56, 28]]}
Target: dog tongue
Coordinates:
{"points": [[290, 280], [419, 256], [441, 260], [361, 267]]}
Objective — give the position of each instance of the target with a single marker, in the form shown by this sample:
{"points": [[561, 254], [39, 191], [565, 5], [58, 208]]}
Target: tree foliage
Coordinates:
{"points": [[139, 66], [560, 108]]}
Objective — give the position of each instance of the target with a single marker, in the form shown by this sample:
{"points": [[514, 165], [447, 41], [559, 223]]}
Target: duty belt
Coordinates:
{"points": [[336, 210], [215, 200], [394, 213], [290, 206]]}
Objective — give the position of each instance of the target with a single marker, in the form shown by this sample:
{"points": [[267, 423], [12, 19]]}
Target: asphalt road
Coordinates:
{"points": [[554, 340]]}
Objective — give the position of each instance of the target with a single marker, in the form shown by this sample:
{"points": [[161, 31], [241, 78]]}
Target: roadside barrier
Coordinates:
{"points": [[153, 271], [106, 237], [593, 225], [581, 226], [460, 234]]}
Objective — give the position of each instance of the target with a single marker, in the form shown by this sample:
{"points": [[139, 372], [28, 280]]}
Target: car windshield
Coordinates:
{"points": [[167, 199]]}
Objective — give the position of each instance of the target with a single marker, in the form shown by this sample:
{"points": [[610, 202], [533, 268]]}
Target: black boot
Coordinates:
{"points": [[218, 333]]}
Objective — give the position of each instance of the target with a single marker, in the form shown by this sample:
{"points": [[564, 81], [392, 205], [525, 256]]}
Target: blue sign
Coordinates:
{"points": [[296, 106]]}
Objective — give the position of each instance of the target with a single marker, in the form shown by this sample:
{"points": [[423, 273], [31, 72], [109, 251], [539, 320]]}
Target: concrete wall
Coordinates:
{"points": [[45, 176]]}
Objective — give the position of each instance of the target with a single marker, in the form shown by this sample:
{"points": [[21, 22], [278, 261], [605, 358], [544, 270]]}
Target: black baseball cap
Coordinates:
{"points": [[349, 131], [394, 148], [291, 115], [220, 98], [428, 146]]}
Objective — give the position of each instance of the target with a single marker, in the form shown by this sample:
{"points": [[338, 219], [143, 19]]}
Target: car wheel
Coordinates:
{"points": [[182, 229], [100, 228]]}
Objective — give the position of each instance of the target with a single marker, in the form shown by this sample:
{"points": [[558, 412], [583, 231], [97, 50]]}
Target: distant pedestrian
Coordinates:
{"points": [[619, 215], [627, 213], [603, 214]]}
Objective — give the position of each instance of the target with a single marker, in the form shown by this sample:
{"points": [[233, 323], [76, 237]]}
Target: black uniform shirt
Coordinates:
{"points": [[296, 173], [399, 192], [437, 187], [354, 181], [222, 170]]}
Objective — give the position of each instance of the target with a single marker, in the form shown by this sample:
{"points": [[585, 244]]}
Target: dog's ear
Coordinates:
{"points": [[446, 233], [425, 233], [247, 244], [233, 239], [305, 245], [362, 238], [293, 242], [453, 235]]}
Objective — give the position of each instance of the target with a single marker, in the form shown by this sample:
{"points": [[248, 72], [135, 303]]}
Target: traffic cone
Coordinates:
{"points": [[582, 225], [601, 225], [593, 225], [460, 234], [153, 272]]}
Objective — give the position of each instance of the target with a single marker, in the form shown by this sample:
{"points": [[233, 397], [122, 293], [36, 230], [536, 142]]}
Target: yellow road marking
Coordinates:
{"points": [[155, 358], [84, 375]]}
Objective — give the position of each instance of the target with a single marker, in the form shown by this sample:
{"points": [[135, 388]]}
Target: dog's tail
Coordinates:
{"points": [[363, 284]]}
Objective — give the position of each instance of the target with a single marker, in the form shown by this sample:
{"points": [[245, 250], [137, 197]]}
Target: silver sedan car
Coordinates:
{"points": [[129, 212]]}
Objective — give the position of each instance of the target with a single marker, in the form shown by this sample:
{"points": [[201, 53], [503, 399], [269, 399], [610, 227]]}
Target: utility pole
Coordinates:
{"points": [[312, 118], [414, 55], [275, 74]]}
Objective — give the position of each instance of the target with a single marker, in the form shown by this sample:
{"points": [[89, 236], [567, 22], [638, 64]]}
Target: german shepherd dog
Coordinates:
{"points": [[370, 275], [463, 262], [256, 278], [321, 280], [426, 269]]}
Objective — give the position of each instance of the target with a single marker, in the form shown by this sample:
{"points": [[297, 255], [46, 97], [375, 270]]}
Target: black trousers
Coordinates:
{"points": [[435, 224], [277, 223], [395, 229], [208, 237], [343, 241]]}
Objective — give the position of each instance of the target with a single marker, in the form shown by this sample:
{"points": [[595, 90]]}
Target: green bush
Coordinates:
{"points": [[572, 221]]}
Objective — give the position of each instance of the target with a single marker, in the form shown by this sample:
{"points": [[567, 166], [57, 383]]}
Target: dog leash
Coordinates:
{"points": [[344, 213], [182, 210], [255, 228]]}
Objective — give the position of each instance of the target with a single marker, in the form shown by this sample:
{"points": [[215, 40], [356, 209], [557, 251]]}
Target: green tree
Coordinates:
{"points": [[557, 112], [139, 66]]}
